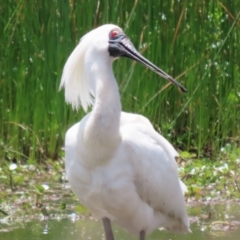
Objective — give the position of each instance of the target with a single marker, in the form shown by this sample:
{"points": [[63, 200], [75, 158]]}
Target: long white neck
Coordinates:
{"points": [[107, 99], [103, 124]]}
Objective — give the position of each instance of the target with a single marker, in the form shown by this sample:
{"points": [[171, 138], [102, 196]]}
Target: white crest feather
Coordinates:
{"points": [[74, 80]]}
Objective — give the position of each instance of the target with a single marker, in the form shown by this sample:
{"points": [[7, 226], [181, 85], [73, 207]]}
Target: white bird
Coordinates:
{"points": [[117, 164]]}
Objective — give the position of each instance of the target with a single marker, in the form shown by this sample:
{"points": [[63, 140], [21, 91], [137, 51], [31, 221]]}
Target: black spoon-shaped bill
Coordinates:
{"points": [[121, 46]]}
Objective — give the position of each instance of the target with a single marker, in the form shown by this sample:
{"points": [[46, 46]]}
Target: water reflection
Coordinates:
{"points": [[211, 222]]}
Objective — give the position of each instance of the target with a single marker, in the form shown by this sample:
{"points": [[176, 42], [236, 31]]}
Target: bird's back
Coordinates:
{"points": [[155, 177]]}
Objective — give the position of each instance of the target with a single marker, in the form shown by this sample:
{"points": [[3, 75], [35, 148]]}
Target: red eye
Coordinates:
{"points": [[114, 33]]}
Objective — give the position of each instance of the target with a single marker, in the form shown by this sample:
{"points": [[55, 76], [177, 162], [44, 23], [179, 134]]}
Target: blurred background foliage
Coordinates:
{"points": [[197, 42]]}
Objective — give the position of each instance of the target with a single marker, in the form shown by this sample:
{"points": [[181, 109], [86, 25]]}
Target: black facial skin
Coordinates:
{"points": [[121, 46]]}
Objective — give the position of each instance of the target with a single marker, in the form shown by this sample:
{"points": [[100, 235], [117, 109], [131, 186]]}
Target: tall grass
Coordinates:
{"points": [[196, 42]]}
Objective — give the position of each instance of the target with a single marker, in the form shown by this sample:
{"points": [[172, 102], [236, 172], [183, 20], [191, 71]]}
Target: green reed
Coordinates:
{"points": [[195, 42]]}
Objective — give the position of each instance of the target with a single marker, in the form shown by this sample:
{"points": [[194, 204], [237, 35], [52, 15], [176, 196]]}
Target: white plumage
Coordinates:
{"points": [[117, 164]]}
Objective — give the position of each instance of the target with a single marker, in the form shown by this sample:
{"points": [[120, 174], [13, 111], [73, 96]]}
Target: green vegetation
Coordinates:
{"points": [[29, 191], [196, 42], [212, 180]]}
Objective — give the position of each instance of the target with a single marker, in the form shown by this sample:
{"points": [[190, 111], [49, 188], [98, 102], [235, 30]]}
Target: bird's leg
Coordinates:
{"points": [[142, 235], [108, 229]]}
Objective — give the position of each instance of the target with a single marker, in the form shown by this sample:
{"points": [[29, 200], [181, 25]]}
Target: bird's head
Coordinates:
{"points": [[107, 43]]}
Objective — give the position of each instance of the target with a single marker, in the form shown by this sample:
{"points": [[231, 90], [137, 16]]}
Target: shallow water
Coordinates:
{"points": [[212, 221]]}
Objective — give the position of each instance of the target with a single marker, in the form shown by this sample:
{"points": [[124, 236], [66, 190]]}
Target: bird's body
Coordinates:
{"points": [[117, 164]]}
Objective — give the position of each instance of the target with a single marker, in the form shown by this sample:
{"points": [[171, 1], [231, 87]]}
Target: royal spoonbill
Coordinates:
{"points": [[118, 166]]}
